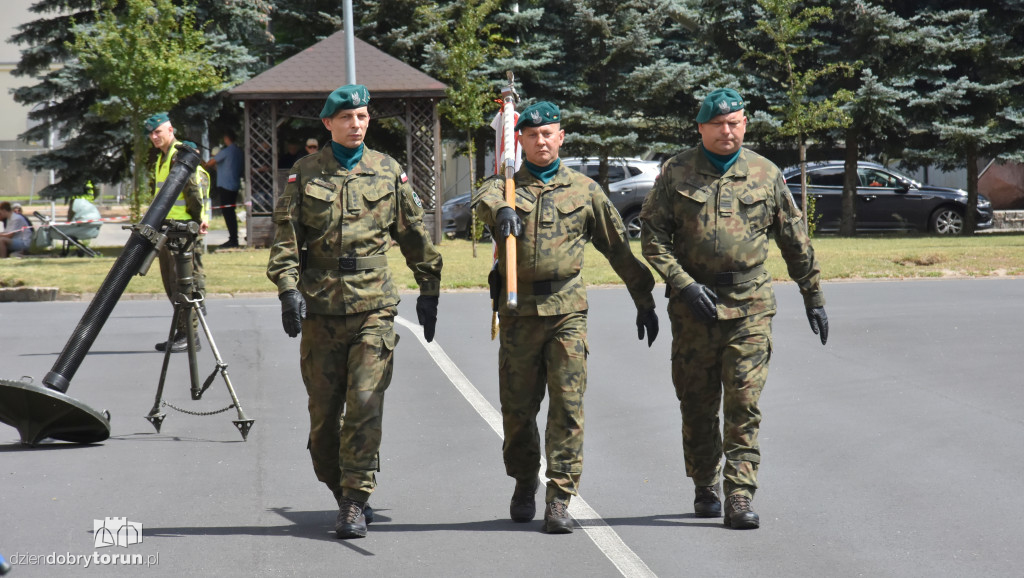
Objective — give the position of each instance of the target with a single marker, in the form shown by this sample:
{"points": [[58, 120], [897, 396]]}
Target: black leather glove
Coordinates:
{"points": [[508, 223], [426, 313], [702, 302], [819, 322], [293, 311], [647, 320]]}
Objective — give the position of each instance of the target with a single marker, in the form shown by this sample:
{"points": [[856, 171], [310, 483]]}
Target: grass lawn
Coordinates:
{"points": [[870, 257]]}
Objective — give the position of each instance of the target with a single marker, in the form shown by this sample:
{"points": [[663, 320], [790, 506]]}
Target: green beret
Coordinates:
{"points": [[345, 98], [153, 122], [539, 114], [720, 101]]}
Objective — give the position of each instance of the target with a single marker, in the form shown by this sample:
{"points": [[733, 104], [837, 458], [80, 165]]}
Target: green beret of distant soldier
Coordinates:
{"points": [[720, 101], [346, 97], [539, 114], [153, 122]]}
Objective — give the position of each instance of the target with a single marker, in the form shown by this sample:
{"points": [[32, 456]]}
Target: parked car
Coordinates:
{"points": [[629, 181], [456, 218], [886, 200]]}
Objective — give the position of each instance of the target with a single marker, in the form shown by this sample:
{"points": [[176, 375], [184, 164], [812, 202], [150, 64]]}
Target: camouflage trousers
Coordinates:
{"points": [[347, 363], [720, 365], [169, 276], [537, 354]]}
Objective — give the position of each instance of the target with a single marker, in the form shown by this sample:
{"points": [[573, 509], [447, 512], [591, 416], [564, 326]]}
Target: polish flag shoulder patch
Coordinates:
{"points": [[292, 178], [404, 178]]}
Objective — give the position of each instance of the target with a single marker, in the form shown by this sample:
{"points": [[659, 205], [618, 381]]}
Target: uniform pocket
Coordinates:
{"points": [[755, 211], [318, 200], [379, 202]]}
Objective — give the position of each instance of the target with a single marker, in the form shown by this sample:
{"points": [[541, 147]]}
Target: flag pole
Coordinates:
{"points": [[508, 111]]}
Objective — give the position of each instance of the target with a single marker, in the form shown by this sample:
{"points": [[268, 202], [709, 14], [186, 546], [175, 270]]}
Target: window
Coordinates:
{"points": [[830, 177]]}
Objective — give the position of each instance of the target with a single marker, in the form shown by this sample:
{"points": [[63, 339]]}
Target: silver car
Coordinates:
{"points": [[629, 181]]}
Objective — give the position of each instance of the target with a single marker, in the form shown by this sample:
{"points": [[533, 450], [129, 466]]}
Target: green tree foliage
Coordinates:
{"points": [[788, 61], [145, 60], [967, 88], [457, 55], [89, 146], [883, 42]]}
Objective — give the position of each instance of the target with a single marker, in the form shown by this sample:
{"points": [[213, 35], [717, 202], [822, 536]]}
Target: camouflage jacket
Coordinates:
{"points": [[559, 218], [700, 225], [347, 221]]}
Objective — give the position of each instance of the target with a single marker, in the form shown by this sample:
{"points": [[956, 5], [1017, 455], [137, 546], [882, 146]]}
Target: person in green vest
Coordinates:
{"points": [[192, 204]]}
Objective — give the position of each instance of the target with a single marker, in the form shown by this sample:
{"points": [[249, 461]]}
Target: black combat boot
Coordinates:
{"points": [[738, 514], [706, 503], [179, 344], [351, 521], [556, 517], [523, 506]]}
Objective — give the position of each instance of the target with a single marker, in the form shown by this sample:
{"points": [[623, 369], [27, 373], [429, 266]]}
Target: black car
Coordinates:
{"points": [[886, 200], [455, 217]]}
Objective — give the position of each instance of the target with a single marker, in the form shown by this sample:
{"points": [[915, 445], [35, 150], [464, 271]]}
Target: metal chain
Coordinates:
{"points": [[200, 413]]}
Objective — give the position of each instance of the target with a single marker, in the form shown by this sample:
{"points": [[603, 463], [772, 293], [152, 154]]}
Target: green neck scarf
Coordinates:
{"points": [[721, 162], [346, 157], [545, 174]]}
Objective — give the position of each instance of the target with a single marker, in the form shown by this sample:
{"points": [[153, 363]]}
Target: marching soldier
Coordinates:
{"points": [[345, 204], [705, 230], [543, 341]]}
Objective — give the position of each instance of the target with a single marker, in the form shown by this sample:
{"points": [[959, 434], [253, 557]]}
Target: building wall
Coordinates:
{"points": [[15, 179]]}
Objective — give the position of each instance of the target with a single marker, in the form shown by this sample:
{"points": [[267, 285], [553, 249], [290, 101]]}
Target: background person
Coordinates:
{"points": [[543, 341], [191, 205], [345, 205], [228, 162], [705, 229], [17, 234]]}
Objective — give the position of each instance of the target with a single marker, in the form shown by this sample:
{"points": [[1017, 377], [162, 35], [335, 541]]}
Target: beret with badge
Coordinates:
{"points": [[152, 123], [347, 97], [719, 101], [538, 114]]}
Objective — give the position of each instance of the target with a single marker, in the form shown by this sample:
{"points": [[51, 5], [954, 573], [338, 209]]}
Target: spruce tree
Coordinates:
{"points": [[63, 100], [967, 92]]}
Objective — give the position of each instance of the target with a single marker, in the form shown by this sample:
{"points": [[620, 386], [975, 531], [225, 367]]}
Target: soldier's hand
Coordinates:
{"points": [[702, 302], [647, 321], [508, 223], [426, 313], [293, 311], [819, 322]]}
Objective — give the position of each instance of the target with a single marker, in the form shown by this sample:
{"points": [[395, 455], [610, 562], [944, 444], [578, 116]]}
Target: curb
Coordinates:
{"points": [[10, 294]]}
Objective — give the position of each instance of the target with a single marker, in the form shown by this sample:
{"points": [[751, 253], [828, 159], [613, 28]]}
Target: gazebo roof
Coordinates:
{"points": [[319, 69]]}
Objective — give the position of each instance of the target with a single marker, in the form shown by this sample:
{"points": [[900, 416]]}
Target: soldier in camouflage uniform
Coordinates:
{"points": [[345, 205], [192, 204], [705, 229], [544, 340]]}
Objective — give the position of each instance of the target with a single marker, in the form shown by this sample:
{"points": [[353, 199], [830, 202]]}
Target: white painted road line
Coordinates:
{"points": [[604, 537]]}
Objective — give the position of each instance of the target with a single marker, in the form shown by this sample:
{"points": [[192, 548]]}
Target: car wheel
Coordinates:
{"points": [[947, 221], [632, 223]]}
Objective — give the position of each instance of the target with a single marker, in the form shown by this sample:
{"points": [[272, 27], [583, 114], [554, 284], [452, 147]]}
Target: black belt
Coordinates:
{"points": [[547, 287], [737, 277], [348, 263]]}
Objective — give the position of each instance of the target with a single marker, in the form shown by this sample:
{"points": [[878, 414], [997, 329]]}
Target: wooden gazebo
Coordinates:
{"points": [[297, 88]]}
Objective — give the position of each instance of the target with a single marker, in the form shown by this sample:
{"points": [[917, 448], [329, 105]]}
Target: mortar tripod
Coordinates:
{"points": [[181, 238]]}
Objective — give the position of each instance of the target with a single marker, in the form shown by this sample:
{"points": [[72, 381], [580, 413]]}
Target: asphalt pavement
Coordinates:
{"points": [[892, 451]]}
